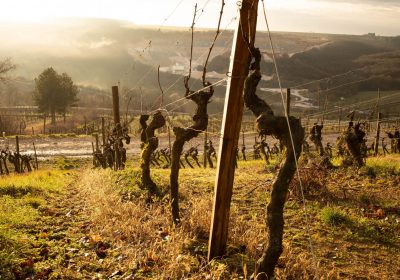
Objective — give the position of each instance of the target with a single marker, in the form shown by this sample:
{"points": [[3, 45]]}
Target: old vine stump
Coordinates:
{"points": [[183, 135], [268, 124], [149, 147]]}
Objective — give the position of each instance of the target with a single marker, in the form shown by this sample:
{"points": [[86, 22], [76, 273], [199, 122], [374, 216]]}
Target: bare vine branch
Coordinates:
{"points": [[127, 111], [191, 44], [213, 43], [191, 48], [159, 84]]}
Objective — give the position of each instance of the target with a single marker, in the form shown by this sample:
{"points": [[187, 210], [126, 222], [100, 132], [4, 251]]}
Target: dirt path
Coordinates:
{"points": [[63, 247]]}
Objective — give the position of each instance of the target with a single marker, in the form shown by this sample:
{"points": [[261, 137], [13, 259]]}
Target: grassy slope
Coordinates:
{"points": [[117, 231], [23, 199]]}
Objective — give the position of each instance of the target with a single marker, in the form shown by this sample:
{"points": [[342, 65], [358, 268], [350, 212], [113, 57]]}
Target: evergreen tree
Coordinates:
{"points": [[54, 93]]}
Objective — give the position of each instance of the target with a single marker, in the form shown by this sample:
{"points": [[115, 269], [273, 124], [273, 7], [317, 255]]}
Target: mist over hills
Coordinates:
{"points": [[99, 53]]}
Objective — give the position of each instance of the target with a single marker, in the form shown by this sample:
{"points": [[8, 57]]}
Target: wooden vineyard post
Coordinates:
{"points": [[17, 156], [243, 145], [85, 125], [18, 168], [17, 144], [44, 124], [169, 139], [378, 130], [103, 132], [288, 102], [36, 160], [205, 149], [97, 142], [231, 122], [115, 99], [93, 152], [115, 104], [378, 125]]}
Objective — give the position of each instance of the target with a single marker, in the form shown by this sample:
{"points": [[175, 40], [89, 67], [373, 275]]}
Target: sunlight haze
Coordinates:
{"points": [[349, 17]]}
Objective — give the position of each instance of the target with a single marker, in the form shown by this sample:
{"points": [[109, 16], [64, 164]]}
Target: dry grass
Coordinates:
{"points": [[144, 237], [141, 230], [149, 244], [116, 231]]}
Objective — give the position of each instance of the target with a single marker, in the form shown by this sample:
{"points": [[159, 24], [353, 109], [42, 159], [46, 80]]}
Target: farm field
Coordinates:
{"points": [[85, 223], [199, 140]]}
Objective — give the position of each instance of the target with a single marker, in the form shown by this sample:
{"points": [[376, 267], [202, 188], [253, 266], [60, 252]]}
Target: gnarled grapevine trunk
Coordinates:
{"points": [[354, 137], [143, 124], [149, 147], [268, 124], [183, 135]]}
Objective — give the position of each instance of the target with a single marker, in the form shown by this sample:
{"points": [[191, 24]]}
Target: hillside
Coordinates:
{"points": [[99, 53]]}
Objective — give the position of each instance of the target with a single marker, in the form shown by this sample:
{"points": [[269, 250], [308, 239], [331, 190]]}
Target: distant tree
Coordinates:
{"points": [[6, 66], [54, 93]]}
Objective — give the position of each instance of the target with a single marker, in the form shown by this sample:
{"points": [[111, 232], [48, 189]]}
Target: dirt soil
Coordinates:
{"points": [[81, 146]]}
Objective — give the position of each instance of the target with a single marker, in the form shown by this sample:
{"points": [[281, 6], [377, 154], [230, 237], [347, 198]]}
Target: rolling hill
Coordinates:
{"points": [[99, 53]]}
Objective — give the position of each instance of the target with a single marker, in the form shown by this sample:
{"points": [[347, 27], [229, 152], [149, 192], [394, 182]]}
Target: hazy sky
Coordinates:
{"points": [[327, 16]]}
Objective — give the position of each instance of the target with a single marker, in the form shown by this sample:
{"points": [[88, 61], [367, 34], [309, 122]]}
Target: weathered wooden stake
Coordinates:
{"points": [[17, 144], [232, 118], [205, 149], [85, 125], [243, 146], [116, 121], [378, 125], [288, 102], [169, 139], [97, 142], [115, 104], [44, 124], [103, 132], [36, 160], [378, 130], [18, 165]]}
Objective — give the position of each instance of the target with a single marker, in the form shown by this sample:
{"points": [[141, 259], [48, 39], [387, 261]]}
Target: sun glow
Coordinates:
{"points": [[290, 15]]}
